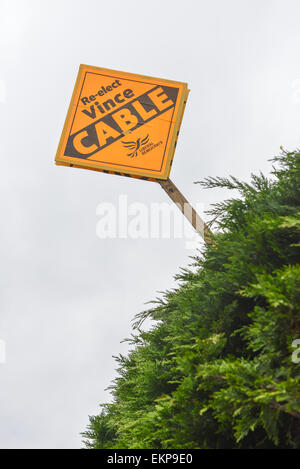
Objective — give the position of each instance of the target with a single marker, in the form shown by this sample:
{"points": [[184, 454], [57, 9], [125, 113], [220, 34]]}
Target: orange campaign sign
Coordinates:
{"points": [[122, 123]]}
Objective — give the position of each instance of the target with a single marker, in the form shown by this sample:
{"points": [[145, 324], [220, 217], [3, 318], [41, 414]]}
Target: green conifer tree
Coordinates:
{"points": [[216, 370]]}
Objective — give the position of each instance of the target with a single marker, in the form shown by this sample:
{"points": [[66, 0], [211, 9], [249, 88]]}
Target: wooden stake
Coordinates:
{"points": [[188, 211]]}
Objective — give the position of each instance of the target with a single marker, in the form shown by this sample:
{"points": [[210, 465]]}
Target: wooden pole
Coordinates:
{"points": [[188, 211]]}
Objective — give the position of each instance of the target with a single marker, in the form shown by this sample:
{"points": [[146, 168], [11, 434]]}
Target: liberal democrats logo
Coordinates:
{"points": [[134, 146]]}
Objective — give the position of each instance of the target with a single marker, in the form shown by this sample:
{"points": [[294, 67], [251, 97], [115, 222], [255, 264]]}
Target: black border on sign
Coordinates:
{"points": [[118, 164]]}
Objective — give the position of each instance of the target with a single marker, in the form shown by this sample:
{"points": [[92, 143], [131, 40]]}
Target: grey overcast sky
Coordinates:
{"points": [[67, 297]]}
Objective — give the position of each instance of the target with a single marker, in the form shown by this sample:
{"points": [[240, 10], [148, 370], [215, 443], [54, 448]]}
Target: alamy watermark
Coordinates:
{"points": [[2, 91], [2, 352], [137, 220], [296, 353]]}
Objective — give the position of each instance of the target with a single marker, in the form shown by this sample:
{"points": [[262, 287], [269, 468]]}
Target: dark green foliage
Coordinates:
{"points": [[216, 370]]}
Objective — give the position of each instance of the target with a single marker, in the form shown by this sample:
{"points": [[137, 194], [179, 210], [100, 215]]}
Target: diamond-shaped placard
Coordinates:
{"points": [[122, 123]]}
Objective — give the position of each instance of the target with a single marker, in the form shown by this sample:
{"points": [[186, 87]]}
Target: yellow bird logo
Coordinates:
{"points": [[134, 146]]}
